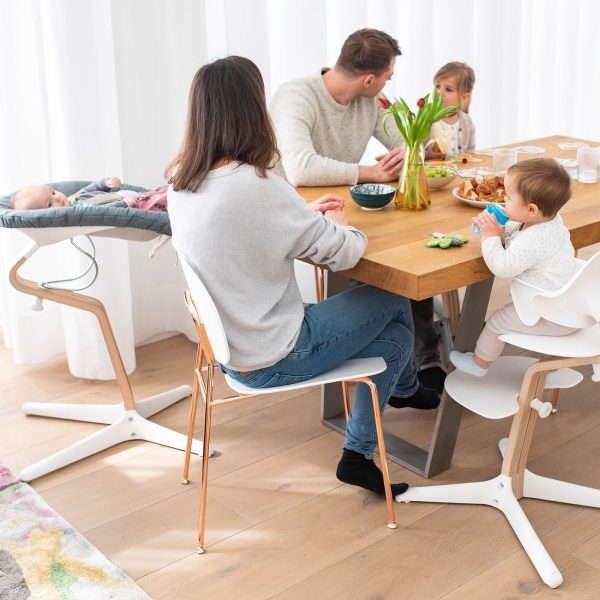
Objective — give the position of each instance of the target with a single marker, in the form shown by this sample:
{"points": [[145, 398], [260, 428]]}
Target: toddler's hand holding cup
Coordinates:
{"points": [[492, 209]]}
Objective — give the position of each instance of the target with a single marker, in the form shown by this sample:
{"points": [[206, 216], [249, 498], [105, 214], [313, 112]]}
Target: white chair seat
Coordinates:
{"points": [[349, 369], [581, 343], [495, 395]]}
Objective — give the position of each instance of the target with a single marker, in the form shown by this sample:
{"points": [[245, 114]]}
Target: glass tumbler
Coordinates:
{"points": [[504, 158], [587, 164]]}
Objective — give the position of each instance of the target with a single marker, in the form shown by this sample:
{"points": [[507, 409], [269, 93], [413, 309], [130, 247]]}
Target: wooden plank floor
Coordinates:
{"points": [[279, 523]]}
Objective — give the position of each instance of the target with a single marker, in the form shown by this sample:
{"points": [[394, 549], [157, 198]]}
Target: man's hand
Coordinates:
{"points": [[113, 182], [392, 161], [337, 216], [327, 202], [374, 174], [488, 225]]}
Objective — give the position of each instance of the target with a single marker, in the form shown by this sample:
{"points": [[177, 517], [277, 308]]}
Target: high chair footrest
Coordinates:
{"points": [[494, 396]]}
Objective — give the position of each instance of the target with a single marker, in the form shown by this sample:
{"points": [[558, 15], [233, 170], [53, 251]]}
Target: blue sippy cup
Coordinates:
{"points": [[493, 209]]}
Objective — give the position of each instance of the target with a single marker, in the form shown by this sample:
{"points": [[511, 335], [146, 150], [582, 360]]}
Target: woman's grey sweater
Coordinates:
{"points": [[240, 234]]}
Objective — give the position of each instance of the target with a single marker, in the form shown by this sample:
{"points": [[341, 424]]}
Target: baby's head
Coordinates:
{"points": [[455, 81], [33, 197], [536, 189]]}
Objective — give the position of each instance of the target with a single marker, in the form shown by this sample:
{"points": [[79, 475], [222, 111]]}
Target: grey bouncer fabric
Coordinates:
{"points": [[80, 216]]}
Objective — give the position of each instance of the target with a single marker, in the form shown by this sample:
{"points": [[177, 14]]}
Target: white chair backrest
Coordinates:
{"points": [[577, 304], [208, 313]]}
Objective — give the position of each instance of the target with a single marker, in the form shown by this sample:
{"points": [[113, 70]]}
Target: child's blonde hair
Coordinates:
{"points": [[465, 79]]}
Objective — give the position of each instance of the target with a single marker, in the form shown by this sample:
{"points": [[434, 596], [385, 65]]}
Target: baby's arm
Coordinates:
{"points": [[103, 185], [521, 255]]}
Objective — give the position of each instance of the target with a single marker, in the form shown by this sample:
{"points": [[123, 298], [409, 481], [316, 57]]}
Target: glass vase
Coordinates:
{"points": [[412, 192]]}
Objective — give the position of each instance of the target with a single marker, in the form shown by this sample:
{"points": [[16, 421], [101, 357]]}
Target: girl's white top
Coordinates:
{"points": [[452, 138], [541, 255]]}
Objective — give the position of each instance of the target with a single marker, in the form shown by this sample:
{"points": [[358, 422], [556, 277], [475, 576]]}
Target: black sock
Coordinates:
{"points": [[433, 378], [356, 469], [423, 399]]}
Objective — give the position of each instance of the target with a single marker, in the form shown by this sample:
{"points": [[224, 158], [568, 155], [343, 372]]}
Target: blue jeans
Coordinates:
{"points": [[362, 322]]}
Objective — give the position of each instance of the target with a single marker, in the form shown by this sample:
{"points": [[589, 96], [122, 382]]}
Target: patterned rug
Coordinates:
{"points": [[43, 558]]}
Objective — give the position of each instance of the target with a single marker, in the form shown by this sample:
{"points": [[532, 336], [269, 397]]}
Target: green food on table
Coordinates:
{"points": [[439, 172], [445, 241]]}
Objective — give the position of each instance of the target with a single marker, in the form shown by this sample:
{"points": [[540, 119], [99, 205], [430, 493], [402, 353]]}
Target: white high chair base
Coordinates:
{"points": [[498, 493], [496, 396], [126, 421], [544, 488], [124, 426]]}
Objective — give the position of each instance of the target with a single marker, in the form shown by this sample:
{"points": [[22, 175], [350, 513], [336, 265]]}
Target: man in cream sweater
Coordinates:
{"points": [[324, 123]]}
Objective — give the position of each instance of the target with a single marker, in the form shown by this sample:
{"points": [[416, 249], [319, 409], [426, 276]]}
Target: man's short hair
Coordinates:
{"points": [[368, 51], [543, 182]]}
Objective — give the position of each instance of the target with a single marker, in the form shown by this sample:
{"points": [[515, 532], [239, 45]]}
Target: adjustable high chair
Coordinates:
{"points": [[514, 386], [214, 347], [128, 420]]}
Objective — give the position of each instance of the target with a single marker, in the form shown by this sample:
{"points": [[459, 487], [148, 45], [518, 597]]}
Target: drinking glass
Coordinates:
{"points": [[504, 158], [587, 164]]}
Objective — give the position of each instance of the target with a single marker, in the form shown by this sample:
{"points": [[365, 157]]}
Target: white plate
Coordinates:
{"points": [[477, 203]]}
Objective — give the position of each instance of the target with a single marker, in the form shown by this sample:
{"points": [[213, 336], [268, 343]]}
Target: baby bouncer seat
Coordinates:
{"points": [[127, 420]]}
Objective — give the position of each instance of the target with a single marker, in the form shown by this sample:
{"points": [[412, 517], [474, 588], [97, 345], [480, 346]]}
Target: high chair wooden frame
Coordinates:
{"points": [[576, 305], [204, 382]]}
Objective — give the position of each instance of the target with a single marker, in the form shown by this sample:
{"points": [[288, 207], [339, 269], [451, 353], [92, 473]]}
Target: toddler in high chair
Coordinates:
{"points": [[534, 246], [456, 133], [37, 196]]}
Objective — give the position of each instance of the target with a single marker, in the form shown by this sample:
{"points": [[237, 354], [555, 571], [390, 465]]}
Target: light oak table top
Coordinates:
{"points": [[396, 258]]}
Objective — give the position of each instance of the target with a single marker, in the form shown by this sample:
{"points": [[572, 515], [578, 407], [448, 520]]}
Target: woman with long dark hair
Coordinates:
{"points": [[240, 227]]}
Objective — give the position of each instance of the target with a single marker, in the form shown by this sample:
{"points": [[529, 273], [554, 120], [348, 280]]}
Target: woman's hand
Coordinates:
{"points": [[113, 182], [337, 216], [488, 225], [327, 202]]}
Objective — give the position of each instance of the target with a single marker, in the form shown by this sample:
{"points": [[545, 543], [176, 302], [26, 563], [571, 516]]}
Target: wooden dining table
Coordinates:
{"points": [[397, 260]]}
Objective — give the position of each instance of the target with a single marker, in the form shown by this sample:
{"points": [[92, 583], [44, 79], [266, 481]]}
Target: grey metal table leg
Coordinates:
{"points": [[439, 457]]}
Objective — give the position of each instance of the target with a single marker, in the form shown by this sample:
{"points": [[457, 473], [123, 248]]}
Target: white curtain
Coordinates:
{"points": [[93, 88]]}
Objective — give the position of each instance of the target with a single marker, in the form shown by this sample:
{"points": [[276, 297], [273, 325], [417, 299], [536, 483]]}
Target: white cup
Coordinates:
{"points": [[588, 160], [504, 158]]}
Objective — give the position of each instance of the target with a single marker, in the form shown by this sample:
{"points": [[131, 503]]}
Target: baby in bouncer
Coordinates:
{"points": [[100, 193]]}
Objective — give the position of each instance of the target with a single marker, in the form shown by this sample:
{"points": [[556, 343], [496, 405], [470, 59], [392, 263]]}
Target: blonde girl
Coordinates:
{"points": [[455, 134]]}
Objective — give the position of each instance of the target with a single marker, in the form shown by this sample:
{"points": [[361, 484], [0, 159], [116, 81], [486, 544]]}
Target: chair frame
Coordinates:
{"points": [[204, 381], [515, 480], [127, 420]]}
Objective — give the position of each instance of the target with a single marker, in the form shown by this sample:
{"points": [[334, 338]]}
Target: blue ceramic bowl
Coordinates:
{"points": [[372, 196]]}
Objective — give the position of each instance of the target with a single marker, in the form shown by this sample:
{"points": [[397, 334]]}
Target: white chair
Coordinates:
{"points": [[214, 346], [514, 386]]}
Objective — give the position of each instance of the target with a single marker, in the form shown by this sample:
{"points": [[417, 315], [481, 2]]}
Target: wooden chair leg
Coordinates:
{"points": [[346, 404], [451, 304], [381, 441], [319, 283], [207, 419], [192, 421], [555, 400]]}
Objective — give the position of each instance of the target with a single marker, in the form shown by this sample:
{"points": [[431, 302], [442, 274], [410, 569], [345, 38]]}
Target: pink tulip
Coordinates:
{"points": [[421, 102], [410, 114], [383, 103]]}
